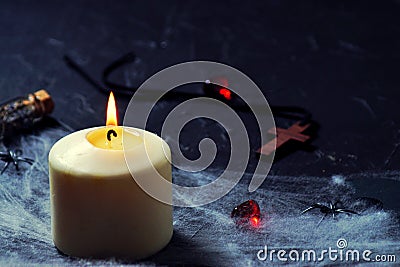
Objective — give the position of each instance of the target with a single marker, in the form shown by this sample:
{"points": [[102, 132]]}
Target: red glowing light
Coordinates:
{"points": [[247, 213], [255, 221], [225, 93]]}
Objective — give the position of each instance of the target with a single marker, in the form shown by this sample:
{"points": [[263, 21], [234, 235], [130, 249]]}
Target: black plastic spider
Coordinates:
{"points": [[13, 157], [331, 208]]}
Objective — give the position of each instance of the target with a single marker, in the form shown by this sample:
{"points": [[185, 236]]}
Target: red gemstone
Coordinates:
{"points": [[248, 211]]}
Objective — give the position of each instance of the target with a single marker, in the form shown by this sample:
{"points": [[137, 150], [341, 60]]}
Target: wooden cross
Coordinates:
{"points": [[294, 132]]}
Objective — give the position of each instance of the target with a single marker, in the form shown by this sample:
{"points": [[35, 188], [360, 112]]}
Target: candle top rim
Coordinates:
{"points": [[71, 150]]}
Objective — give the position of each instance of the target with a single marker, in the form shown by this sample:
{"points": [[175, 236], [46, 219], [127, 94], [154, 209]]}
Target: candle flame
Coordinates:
{"points": [[112, 119]]}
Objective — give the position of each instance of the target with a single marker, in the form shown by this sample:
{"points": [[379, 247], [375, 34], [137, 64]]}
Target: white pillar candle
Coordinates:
{"points": [[97, 208]]}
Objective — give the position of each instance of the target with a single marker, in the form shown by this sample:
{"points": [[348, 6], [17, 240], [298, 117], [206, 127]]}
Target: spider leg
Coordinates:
{"points": [[5, 158], [27, 160], [18, 152], [5, 167], [347, 211], [323, 217], [15, 161], [13, 158], [315, 206], [308, 209]]}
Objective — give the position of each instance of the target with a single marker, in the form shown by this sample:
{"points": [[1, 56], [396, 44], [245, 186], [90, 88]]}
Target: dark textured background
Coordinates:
{"points": [[337, 59]]}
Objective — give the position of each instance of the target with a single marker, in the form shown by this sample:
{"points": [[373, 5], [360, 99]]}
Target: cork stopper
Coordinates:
{"points": [[46, 102]]}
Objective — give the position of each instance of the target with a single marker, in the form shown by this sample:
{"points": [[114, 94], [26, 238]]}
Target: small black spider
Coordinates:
{"points": [[13, 157], [331, 208]]}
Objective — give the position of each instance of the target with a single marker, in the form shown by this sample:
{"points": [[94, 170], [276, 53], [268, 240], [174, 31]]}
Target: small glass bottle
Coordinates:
{"points": [[22, 112]]}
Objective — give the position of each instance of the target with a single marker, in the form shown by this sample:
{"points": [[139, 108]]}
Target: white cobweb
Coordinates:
{"points": [[203, 235]]}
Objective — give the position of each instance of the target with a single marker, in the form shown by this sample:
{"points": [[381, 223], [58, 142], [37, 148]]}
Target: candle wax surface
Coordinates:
{"points": [[114, 137]]}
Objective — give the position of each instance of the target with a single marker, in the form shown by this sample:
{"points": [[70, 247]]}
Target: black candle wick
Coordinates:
{"points": [[111, 132]]}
